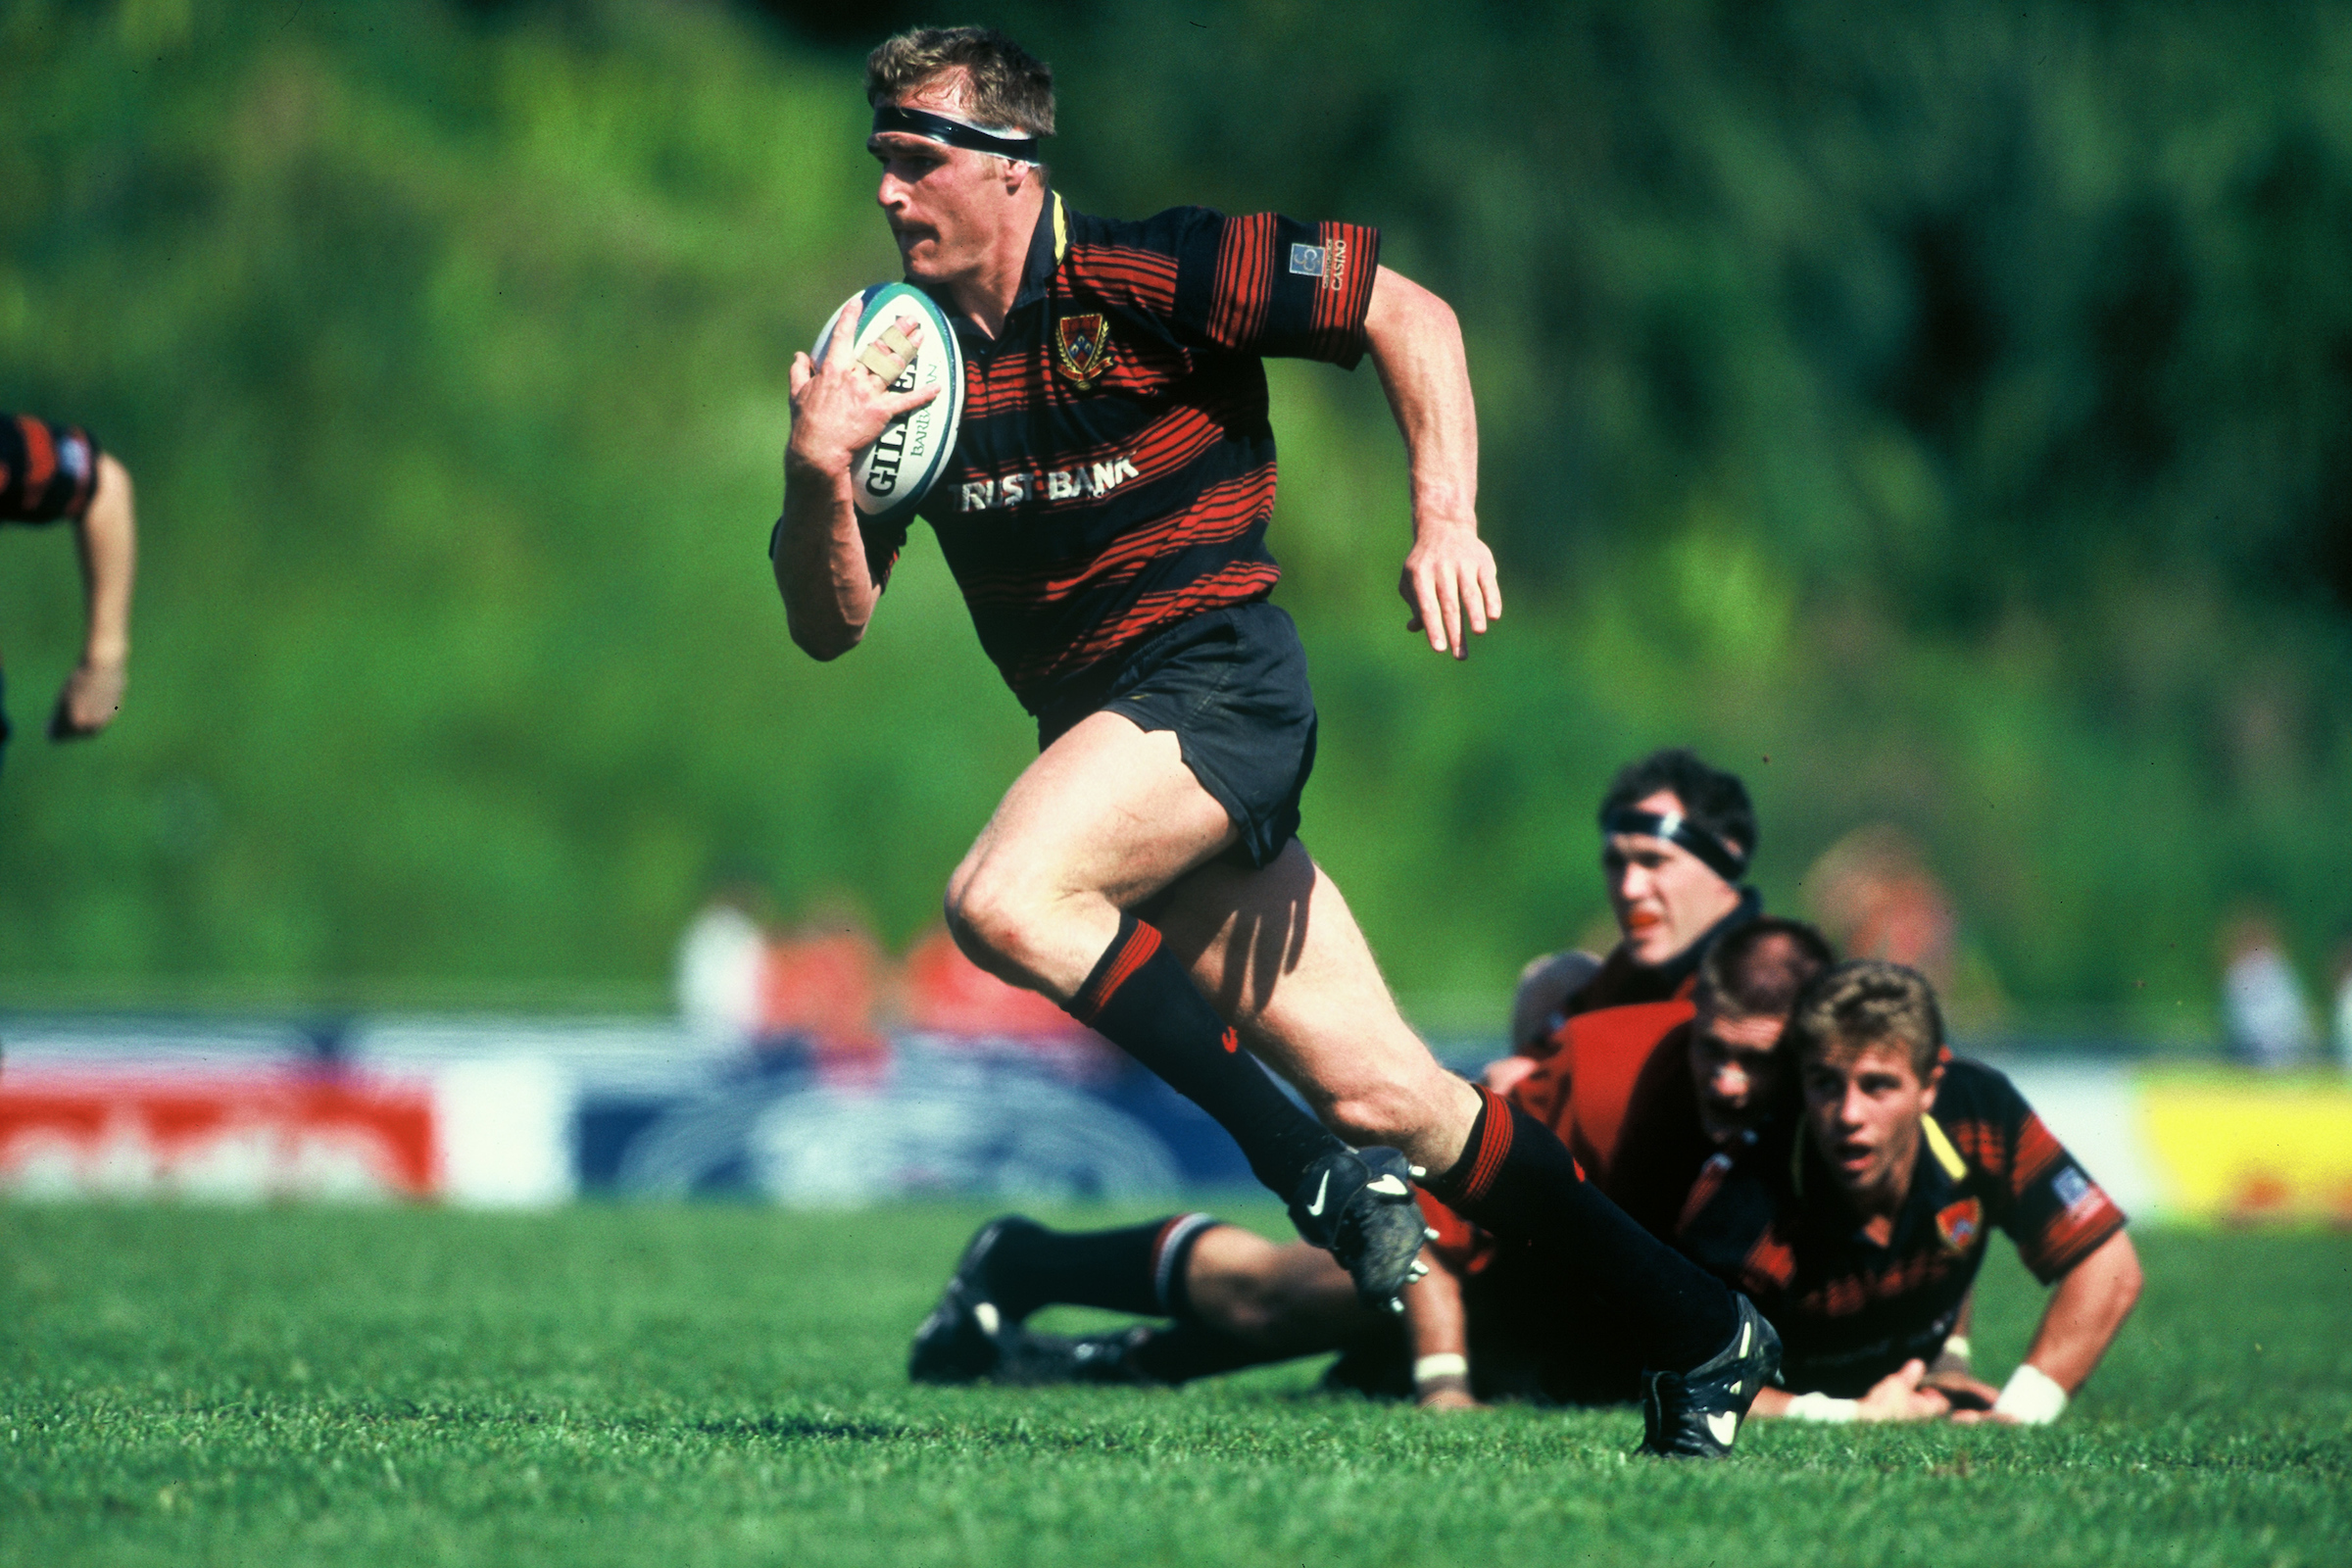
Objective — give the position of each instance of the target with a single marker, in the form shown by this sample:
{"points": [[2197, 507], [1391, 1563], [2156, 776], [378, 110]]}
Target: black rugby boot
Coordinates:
{"points": [[1697, 1414], [966, 1335], [1108, 1356], [1357, 1204]]}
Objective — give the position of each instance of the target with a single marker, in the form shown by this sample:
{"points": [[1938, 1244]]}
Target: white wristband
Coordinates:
{"points": [[2030, 1396], [1824, 1407], [1444, 1364]]}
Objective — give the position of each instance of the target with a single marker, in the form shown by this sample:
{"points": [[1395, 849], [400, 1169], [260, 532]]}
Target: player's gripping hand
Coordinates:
{"points": [[1965, 1392], [1449, 583], [841, 404], [92, 697], [1899, 1397]]}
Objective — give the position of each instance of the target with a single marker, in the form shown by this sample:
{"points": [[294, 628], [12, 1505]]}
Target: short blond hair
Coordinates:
{"points": [[1868, 1002], [1005, 86]]}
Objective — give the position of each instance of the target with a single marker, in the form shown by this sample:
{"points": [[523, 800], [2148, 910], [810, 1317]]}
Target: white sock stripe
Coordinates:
{"points": [[1171, 1248]]}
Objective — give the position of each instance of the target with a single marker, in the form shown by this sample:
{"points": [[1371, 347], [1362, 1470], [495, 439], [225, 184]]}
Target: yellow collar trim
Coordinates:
{"points": [[1945, 1155], [1061, 230]]}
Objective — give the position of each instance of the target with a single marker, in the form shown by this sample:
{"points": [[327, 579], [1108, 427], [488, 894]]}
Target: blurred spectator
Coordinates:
{"points": [[948, 994], [823, 982], [1876, 899], [722, 961], [2264, 1015], [2343, 1007]]}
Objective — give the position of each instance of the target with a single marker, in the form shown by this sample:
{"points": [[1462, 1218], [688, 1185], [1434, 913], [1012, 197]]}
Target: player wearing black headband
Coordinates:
{"points": [[1676, 836], [1104, 515]]}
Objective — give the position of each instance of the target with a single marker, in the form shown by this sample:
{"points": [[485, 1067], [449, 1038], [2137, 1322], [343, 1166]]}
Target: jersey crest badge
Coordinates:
{"points": [[1960, 1224], [1082, 348]]}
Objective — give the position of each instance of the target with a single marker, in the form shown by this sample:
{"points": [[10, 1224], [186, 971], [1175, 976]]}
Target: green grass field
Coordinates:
{"points": [[715, 1385]]}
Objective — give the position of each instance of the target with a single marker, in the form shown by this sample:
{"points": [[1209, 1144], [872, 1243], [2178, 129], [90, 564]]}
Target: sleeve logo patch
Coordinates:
{"points": [[1961, 1224], [1310, 261], [1082, 348], [2075, 1189]]}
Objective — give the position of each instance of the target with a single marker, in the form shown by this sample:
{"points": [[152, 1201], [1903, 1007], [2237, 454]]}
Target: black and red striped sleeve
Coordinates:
{"points": [[1271, 285], [2043, 1196], [47, 471]]}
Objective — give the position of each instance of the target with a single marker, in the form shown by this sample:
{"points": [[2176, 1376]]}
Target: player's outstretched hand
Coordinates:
{"points": [[1899, 1397], [1449, 583], [88, 702], [841, 404]]}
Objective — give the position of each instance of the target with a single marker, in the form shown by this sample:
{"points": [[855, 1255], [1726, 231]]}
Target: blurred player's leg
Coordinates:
{"points": [[1234, 1299]]}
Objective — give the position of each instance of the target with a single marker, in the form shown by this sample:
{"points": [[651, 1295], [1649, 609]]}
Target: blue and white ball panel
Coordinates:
{"points": [[891, 477]]}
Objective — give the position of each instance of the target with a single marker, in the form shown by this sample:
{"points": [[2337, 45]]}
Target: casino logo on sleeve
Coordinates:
{"points": [[1082, 348]]}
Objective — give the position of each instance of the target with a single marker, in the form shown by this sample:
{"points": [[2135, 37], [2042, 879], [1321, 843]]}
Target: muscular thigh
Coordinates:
{"points": [[1108, 808], [1105, 815], [1279, 952]]}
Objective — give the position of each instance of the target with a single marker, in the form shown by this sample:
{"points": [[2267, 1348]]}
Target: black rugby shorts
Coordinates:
{"points": [[1232, 684]]}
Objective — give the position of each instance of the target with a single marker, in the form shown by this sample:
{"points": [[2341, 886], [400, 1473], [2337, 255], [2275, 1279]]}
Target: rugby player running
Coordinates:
{"points": [[1105, 516]]}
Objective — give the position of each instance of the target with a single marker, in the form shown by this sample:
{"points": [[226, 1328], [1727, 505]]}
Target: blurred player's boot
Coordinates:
{"points": [[1357, 1204], [1034, 1359], [1150, 1355], [965, 1337], [1697, 1414]]}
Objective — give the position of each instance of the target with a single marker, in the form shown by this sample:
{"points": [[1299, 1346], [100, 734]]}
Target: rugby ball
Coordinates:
{"points": [[890, 478]]}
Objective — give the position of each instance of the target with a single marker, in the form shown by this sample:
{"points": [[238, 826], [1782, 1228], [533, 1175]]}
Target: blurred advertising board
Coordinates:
{"points": [[518, 1112], [2242, 1149]]}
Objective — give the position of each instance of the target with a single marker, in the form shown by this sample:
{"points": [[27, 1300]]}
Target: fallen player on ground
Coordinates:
{"points": [[1860, 1227]]}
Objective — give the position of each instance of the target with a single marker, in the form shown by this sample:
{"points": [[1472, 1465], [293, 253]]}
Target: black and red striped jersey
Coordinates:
{"points": [[1849, 1311], [47, 471], [1114, 471]]}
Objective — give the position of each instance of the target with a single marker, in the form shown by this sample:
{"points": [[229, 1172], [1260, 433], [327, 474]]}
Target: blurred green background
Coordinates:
{"points": [[1939, 414]]}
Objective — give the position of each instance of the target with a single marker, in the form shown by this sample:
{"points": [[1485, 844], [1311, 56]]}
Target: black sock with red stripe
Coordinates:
{"points": [[1139, 999], [1135, 1268], [1518, 1180]]}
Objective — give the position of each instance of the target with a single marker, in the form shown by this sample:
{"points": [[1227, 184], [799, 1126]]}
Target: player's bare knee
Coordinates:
{"points": [[993, 918]]}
